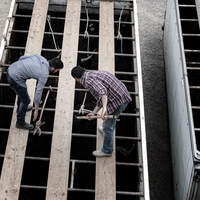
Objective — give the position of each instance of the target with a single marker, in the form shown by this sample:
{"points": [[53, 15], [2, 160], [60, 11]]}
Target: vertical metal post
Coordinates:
{"points": [[141, 106]]}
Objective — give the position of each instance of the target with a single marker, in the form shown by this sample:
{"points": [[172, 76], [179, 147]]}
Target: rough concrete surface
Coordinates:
{"points": [[4, 11], [151, 19]]}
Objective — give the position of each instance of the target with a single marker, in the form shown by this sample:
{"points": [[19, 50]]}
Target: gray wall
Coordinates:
{"points": [[182, 152], [151, 19], [4, 10]]}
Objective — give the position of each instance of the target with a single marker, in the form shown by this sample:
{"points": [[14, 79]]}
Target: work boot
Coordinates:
{"points": [[24, 126], [29, 108], [100, 153]]}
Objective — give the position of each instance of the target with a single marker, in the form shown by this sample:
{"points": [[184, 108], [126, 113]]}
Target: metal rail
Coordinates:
{"points": [[55, 88], [83, 5], [81, 135], [187, 6], [78, 161], [81, 52], [61, 34], [82, 190], [75, 111], [83, 20]]}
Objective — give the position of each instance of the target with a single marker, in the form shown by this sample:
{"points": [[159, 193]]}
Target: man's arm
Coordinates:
{"points": [[104, 101], [94, 112], [35, 115], [38, 94]]}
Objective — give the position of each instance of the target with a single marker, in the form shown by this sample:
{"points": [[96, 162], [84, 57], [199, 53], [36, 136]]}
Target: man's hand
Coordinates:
{"points": [[90, 114], [35, 115]]}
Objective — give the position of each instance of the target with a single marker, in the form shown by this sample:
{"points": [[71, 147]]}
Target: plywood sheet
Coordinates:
{"points": [[61, 143], [105, 185]]}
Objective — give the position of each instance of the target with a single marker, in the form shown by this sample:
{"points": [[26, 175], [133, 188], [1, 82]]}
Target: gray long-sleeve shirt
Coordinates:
{"points": [[27, 67]]}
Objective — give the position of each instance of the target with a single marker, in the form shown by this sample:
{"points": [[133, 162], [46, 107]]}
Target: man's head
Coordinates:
{"points": [[55, 65], [77, 72]]}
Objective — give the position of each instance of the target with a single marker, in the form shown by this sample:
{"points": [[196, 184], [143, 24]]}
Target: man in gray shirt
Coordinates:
{"points": [[27, 67]]}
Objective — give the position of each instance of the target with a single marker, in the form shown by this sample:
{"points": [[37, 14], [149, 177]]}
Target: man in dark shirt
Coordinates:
{"points": [[27, 67], [111, 95]]}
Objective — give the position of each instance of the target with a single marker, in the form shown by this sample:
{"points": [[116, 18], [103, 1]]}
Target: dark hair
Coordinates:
{"points": [[56, 63], [77, 71]]}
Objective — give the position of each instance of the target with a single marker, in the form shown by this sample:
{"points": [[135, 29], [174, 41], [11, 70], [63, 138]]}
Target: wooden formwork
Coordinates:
{"points": [[59, 167]]}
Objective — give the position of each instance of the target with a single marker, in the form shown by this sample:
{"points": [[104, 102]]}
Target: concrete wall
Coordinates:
{"points": [[4, 10], [151, 19], [182, 152]]}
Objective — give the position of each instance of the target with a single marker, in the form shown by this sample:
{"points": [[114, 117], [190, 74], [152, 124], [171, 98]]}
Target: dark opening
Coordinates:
{"points": [[192, 42], [191, 27], [188, 13], [186, 2], [83, 195], [35, 175], [36, 194]]}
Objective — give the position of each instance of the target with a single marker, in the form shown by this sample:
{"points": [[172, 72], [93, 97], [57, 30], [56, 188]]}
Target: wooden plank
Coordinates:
{"points": [[15, 151], [105, 167], [61, 143]]}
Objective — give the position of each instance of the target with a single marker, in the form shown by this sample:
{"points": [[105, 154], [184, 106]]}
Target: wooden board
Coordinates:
{"points": [[105, 186], [61, 143], [15, 151]]}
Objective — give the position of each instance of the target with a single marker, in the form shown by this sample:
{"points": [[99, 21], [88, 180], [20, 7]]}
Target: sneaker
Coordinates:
{"points": [[24, 126], [99, 153], [29, 108], [100, 129]]}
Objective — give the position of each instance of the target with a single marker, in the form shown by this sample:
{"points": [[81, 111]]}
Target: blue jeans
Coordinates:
{"points": [[108, 130], [22, 101]]}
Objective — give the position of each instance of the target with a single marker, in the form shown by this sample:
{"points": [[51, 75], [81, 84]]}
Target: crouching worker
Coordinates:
{"points": [[111, 95], [27, 67]]}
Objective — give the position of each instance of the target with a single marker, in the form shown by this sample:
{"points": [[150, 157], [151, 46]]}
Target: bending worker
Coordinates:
{"points": [[27, 67], [111, 94]]}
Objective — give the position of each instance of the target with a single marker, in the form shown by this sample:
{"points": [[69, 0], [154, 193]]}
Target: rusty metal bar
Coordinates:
{"points": [[195, 107], [193, 62], [189, 34], [55, 88], [79, 161], [61, 34], [194, 87], [81, 52], [83, 5], [192, 51], [193, 68], [72, 175], [185, 6], [84, 20], [83, 190], [116, 73], [190, 20], [75, 111], [81, 135]]}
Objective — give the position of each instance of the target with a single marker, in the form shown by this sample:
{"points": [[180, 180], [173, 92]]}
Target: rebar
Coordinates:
{"points": [[80, 52], [83, 20]]}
